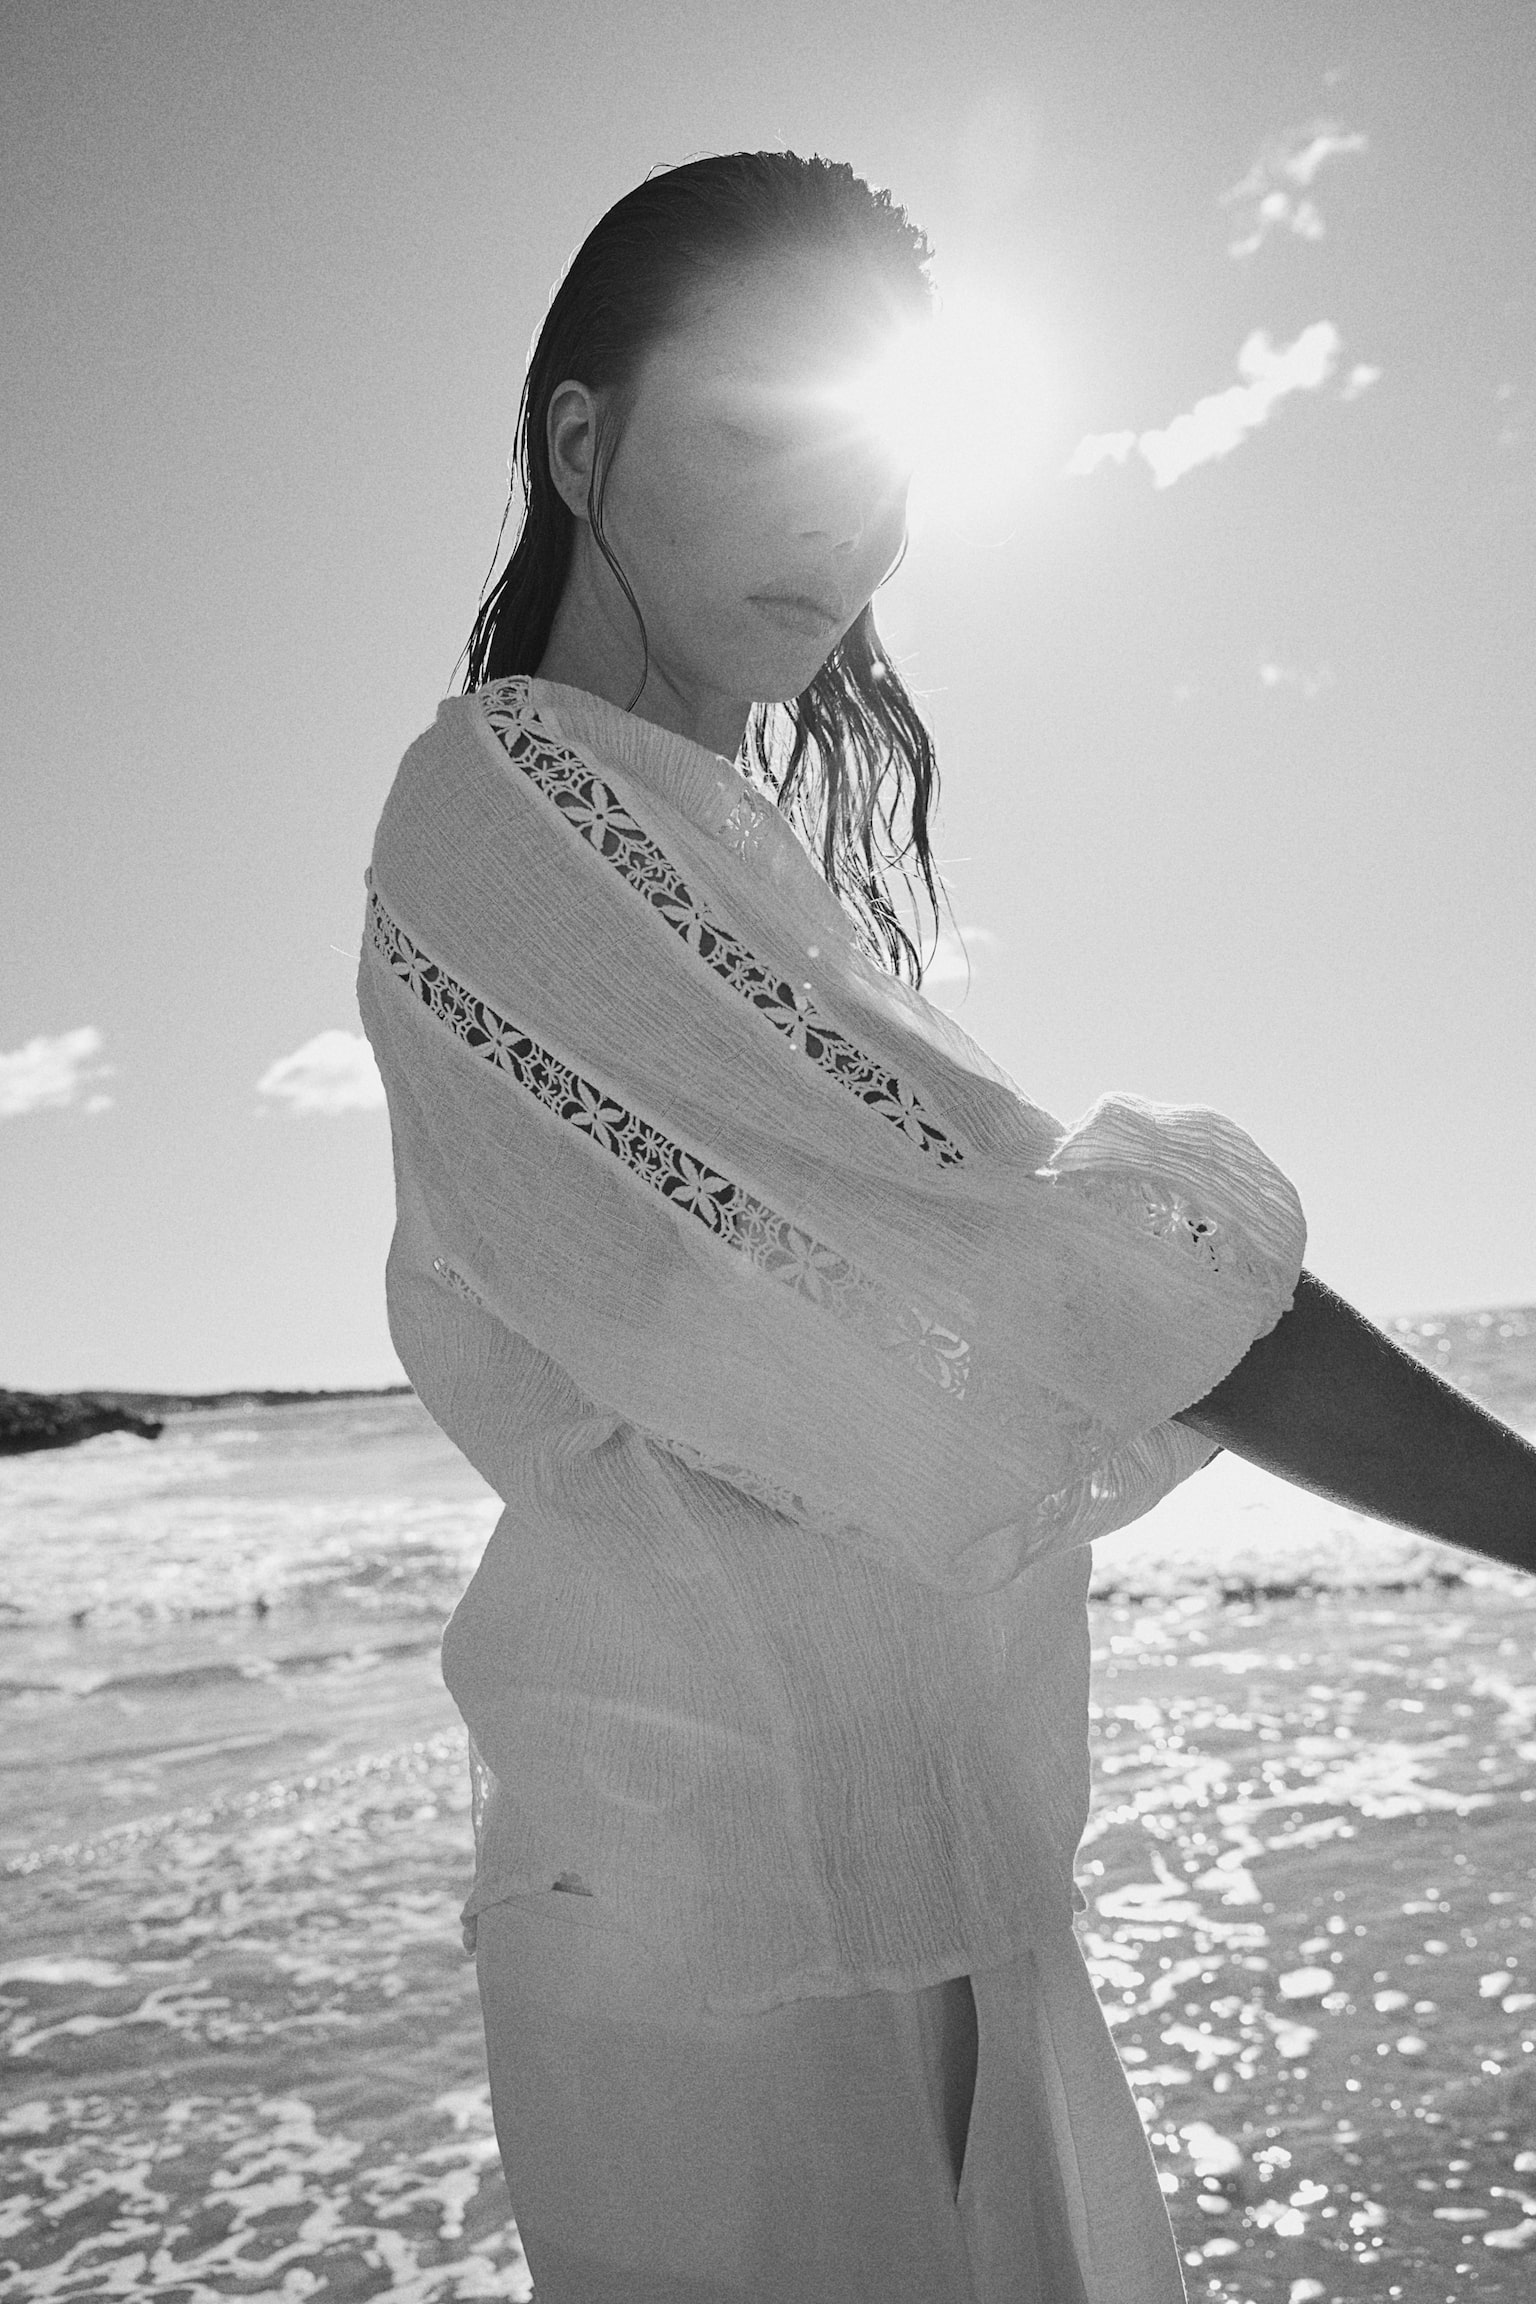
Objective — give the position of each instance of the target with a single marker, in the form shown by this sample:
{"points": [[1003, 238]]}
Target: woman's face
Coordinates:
{"points": [[752, 514]]}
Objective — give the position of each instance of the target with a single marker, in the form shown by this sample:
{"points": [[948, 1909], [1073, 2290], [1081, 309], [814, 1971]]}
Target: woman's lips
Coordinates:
{"points": [[797, 613]]}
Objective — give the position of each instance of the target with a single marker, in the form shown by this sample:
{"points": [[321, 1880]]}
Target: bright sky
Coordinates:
{"points": [[1230, 655]]}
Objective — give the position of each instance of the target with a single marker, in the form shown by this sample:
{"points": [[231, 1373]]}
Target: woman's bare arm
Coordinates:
{"points": [[1327, 1401]]}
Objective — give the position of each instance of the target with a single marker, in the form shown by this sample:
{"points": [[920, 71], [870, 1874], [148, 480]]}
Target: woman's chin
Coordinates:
{"points": [[791, 673]]}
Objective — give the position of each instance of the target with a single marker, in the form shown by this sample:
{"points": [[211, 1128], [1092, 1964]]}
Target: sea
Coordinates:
{"points": [[242, 2050]]}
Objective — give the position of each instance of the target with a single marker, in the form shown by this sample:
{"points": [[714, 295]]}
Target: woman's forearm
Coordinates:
{"points": [[1327, 1401]]}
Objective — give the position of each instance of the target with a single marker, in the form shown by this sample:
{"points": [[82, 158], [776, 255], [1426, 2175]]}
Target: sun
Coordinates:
{"points": [[961, 400], [895, 397]]}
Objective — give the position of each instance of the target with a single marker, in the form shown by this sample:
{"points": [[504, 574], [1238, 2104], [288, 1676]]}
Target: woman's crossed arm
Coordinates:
{"points": [[1327, 1401]]}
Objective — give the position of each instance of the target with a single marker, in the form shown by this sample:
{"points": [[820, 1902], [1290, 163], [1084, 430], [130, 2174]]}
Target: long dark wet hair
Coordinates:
{"points": [[829, 753]]}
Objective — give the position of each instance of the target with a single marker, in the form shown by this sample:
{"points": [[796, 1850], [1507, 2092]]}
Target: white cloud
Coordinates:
{"points": [[52, 1072], [1360, 379], [1096, 448], [1271, 197], [334, 1072], [1220, 421], [949, 964], [1324, 141], [1310, 684]]}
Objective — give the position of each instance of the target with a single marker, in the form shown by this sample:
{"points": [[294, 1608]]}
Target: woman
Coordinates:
{"points": [[806, 1352]]}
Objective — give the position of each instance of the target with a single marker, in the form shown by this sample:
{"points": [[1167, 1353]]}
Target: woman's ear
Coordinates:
{"points": [[571, 436]]}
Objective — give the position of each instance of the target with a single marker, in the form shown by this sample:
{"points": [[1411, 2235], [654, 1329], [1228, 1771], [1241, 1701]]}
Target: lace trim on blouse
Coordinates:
{"points": [[595, 810], [779, 1248]]}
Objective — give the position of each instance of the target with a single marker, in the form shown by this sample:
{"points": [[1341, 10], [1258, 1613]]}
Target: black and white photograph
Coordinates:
{"points": [[767, 1199]]}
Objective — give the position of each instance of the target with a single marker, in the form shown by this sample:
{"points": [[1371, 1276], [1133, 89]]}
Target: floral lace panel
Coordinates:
{"points": [[779, 1248], [595, 810]]}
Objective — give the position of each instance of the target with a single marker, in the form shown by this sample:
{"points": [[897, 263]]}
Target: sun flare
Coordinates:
{"points": [[960, 400]]}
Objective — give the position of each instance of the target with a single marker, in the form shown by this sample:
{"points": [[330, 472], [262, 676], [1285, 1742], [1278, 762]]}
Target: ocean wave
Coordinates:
{"points": [[240, 1513], [59, 1676]]}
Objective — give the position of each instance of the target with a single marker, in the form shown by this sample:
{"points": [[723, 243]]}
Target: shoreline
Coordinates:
{"points": [[33, 1420]]}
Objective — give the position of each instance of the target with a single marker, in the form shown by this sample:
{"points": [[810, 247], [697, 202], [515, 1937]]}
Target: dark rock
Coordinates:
{"points": [[57, 1419]]}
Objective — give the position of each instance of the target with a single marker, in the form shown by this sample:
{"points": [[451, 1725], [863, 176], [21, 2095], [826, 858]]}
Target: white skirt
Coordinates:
{"points": [[972, 2142]]}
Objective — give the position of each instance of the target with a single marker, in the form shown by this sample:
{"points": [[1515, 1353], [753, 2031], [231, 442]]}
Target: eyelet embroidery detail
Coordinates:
{"points": [[595, 810], [457, 1282], [1156, 1208], [777, 1247], [743, 829]]}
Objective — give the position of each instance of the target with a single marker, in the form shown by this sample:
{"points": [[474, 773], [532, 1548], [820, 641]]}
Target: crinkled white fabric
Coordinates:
{"points": [[835, 2151], [807, 1354]]}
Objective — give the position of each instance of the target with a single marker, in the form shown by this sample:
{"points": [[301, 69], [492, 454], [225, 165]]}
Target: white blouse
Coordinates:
{"points": [[805, 1352]]}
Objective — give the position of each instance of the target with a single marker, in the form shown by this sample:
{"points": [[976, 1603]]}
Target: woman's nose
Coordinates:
{"points": [[837, 525], [842, 518]]}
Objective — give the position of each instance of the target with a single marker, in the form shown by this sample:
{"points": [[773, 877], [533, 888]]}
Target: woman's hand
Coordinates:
{"points": [[1327, 1401]]}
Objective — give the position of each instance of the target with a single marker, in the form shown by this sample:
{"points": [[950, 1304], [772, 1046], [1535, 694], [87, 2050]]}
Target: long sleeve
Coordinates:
{"points": [[497, 1398], [679, 1156]]}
